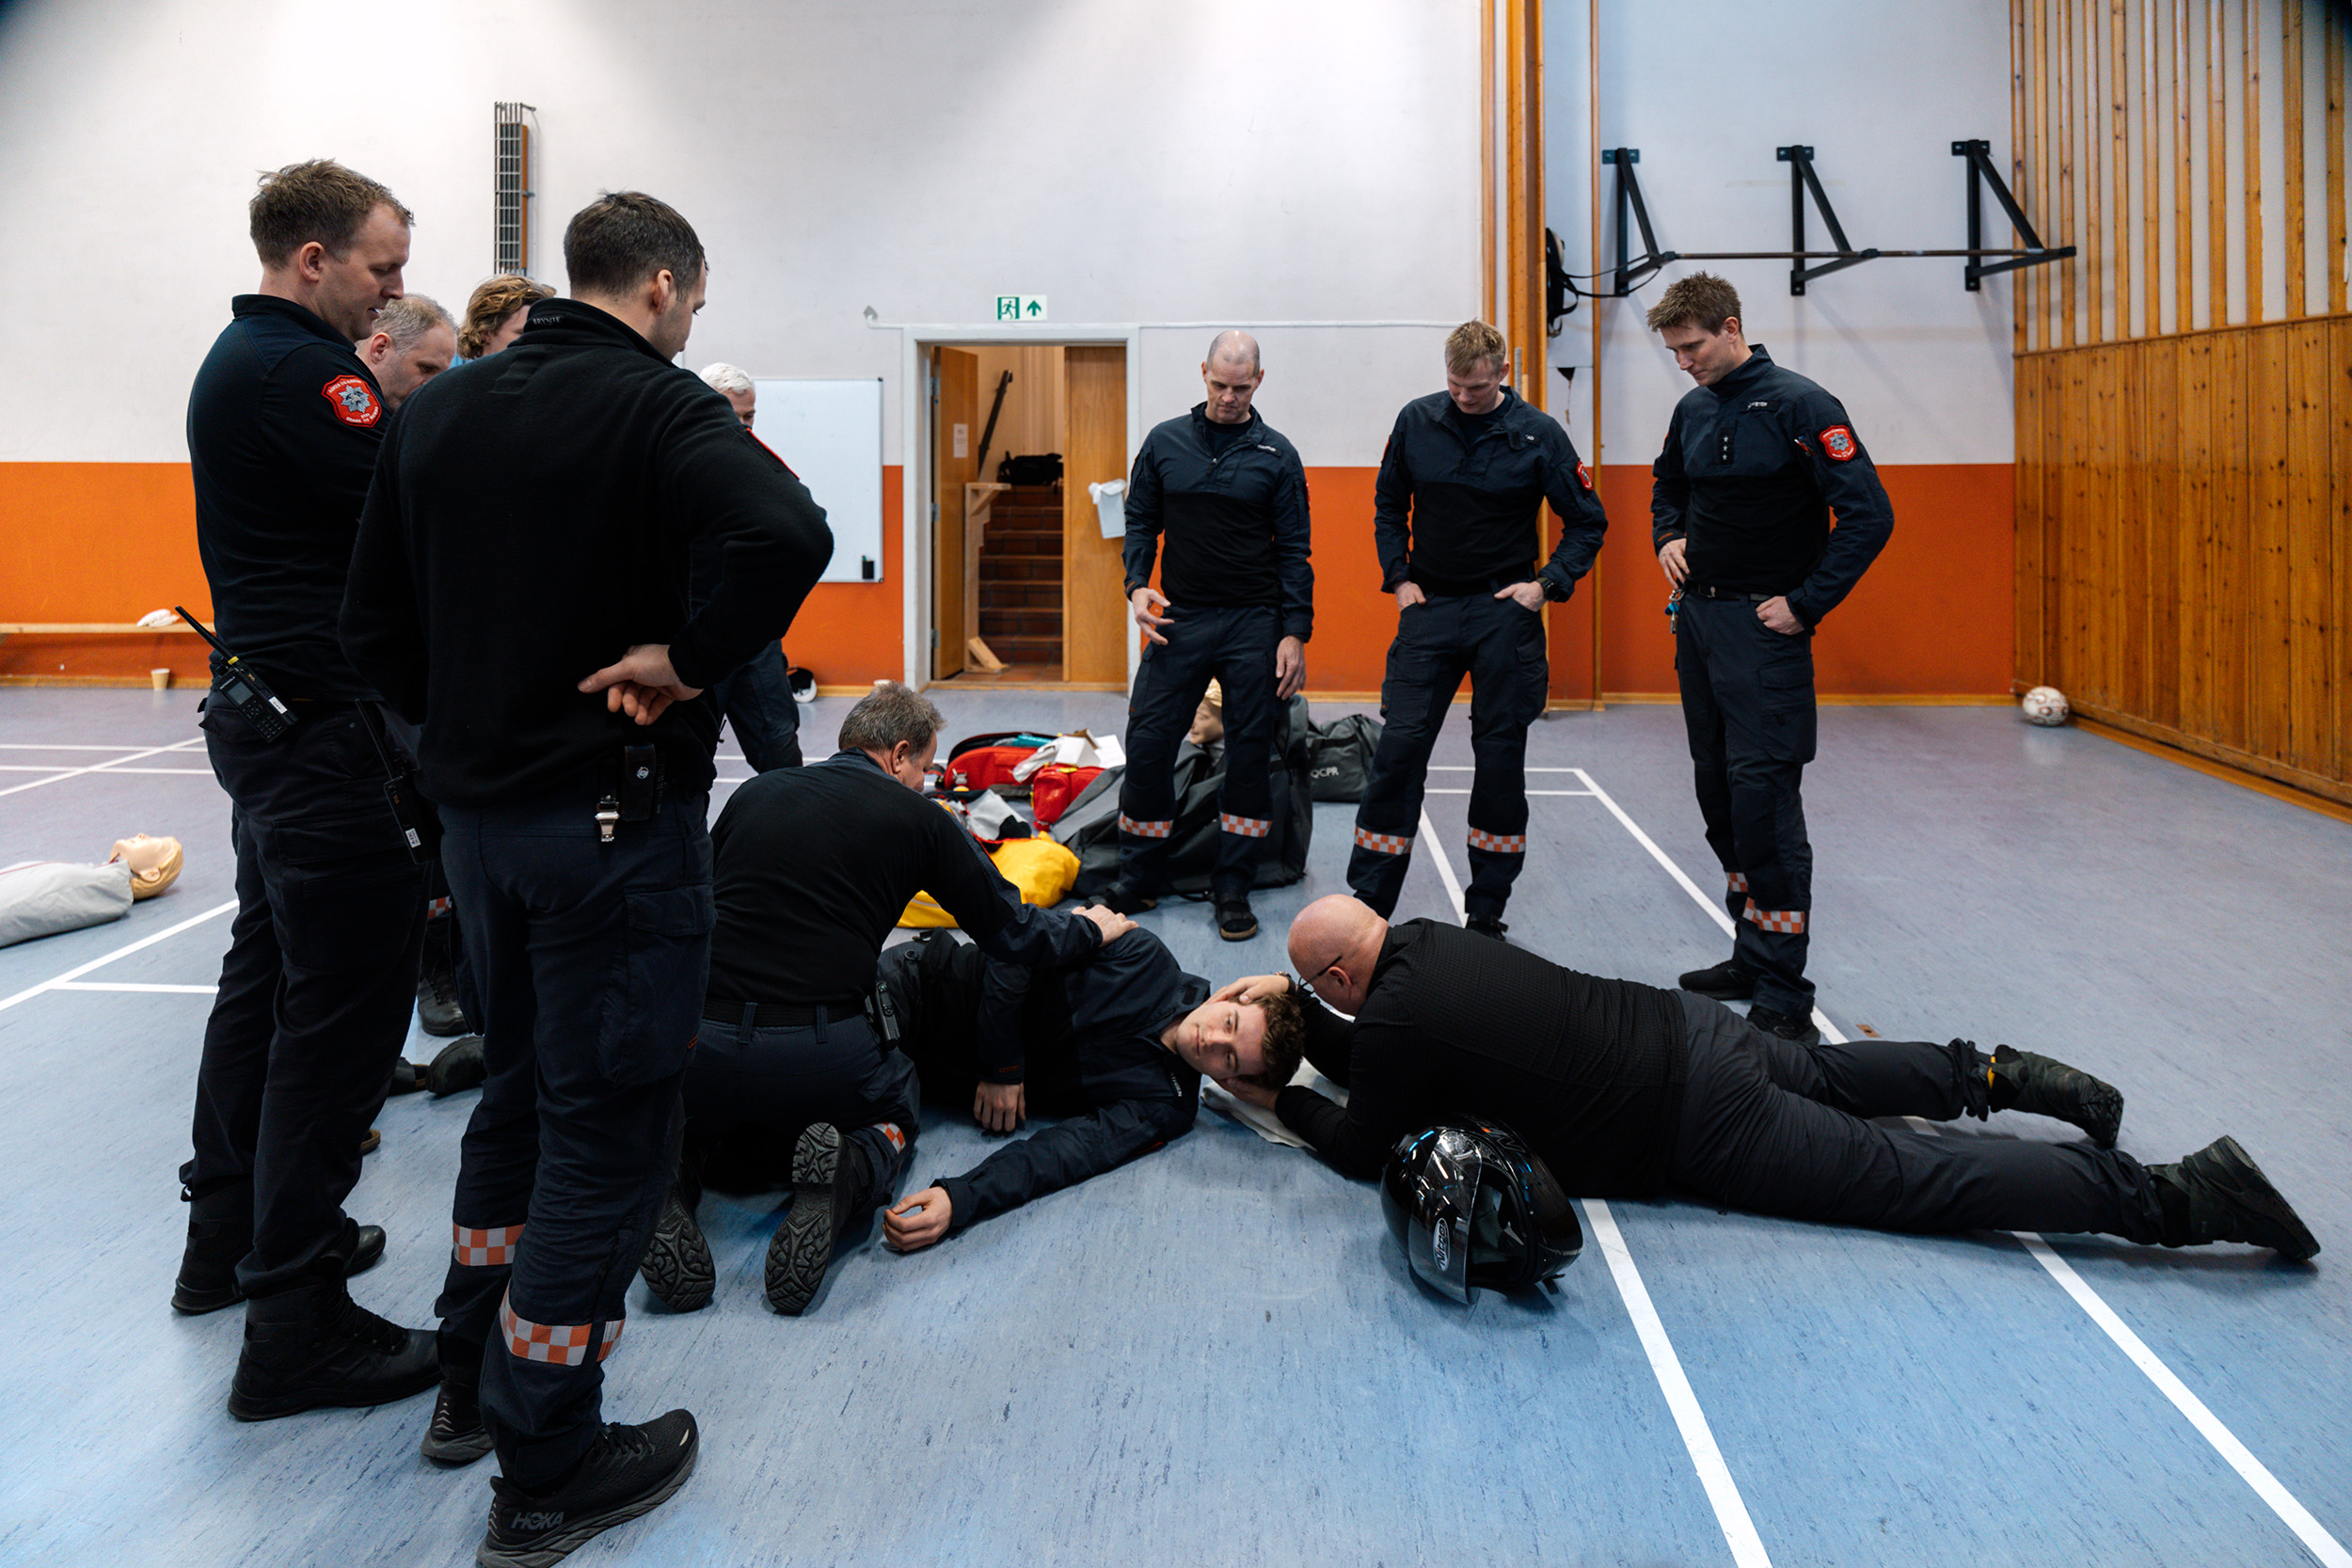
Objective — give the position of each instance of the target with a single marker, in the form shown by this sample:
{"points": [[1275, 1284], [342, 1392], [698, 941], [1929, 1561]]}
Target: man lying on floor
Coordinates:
{"points": [[1115, 1043], [1622, 1088]]}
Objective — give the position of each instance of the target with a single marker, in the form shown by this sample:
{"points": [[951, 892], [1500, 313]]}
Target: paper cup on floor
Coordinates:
{"points": [[159, 679]]}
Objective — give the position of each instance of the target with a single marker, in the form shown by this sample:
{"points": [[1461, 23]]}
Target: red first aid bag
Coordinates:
{"points": [[1053, 786]]}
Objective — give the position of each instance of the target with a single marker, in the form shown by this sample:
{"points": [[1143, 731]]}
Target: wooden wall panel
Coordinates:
{"points": [[2307, 552], [1094, 435]]}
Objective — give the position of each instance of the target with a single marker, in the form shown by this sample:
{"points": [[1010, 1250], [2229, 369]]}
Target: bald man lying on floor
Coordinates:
{"points": [[1623, 1088]]}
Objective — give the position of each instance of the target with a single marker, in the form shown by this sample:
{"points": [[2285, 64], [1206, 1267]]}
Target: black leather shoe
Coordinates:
{"points": [[2229, 1199], [458, 1065], [828, 1175], [438, 1012], [314, 1346], [677, 1266], [457, 1434], [1485, 925], [1729, 981], [220, 1233], [1788, 1026], [2024, 1081], [628, 1470], [1234, 921], [407, 1078], [1126, 898]]}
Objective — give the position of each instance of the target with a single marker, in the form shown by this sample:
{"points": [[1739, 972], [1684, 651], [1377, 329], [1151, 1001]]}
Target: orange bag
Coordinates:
{"points": [[1053, 786]]}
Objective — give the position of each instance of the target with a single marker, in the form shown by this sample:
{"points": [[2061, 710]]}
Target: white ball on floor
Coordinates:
{"points": [[2044, 704]]}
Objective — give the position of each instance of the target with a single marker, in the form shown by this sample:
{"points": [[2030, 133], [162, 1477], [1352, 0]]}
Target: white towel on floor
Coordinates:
{"points": [[1266, 1123]]}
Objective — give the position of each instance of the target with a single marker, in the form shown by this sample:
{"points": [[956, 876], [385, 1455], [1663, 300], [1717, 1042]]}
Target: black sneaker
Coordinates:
{"points": [[1235, 922], [2051, 1088], [677, 1266], [628, 1471], [457, 1434], [1729, 981], [1126, 898], [1485, 925], [1788, 1026], [314, 1346], [828, 1174], [437, 1011], [220, 1232], [459, 1066], [2229, 1199]]}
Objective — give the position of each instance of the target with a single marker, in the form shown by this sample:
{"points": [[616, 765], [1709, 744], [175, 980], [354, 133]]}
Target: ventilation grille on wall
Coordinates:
{"points": [[511, 231]]}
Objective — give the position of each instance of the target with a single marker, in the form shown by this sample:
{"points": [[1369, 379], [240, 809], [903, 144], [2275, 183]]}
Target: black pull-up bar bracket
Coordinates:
{"points": [[1981, 172], [1801, 180], [1631, 269]]}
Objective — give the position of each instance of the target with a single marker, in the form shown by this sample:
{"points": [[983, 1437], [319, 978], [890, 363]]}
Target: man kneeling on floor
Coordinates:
{"points": [[1622, 1088], [790, 1077], [1115, 1043]]}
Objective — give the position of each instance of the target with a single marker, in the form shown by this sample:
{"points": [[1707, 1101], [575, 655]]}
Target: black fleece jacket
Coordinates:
{"points": [[531, 519], [1456, 504]]}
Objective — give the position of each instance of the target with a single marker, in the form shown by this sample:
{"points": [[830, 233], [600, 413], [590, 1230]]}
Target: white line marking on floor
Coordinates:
{"points": [[123, 952], [134, 985], [2225, 1443], [101, 767], [35, 767], [1446, 768], [1731, 1513], [39, 746], [1529, 792]]}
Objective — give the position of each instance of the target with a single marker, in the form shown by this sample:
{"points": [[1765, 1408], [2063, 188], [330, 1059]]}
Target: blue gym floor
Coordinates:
{"points": [[1214, 1354]]}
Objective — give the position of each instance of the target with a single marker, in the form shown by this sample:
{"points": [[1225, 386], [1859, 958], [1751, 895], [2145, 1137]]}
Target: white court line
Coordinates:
{"points": [[1439, 767], [103, 959], [102, 766], [1527, 792], [1723, 1494], [35, 767], [1731, 1513], [2240, 1458], [133, 986], [38, 746]]}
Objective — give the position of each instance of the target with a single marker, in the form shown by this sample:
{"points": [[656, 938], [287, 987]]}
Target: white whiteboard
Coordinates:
{"points": [[830, 433]]}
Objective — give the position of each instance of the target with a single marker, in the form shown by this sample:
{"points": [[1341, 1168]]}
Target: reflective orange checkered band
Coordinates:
{"points": [[557, 1345], [485, 1249], [1247, 826], [897, 1134], [1788, 922], [1739, 880], [1501, 844], [436, 907], [1144, 830], [1384, 844]]}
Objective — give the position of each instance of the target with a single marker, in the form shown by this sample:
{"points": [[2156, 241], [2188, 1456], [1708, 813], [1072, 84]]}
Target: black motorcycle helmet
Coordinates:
{"points": [[1473, 1208]]}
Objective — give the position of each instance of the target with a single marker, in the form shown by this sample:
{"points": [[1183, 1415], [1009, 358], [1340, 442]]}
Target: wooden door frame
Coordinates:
{"points": [[915, 453]]}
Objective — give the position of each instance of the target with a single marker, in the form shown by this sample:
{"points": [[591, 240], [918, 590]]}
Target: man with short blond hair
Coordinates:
{"points": [[1454, 512], [1755, 460], [414, 340]]}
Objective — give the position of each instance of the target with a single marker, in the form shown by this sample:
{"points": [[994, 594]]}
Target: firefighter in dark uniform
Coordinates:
{"points": [[521, 589], [1472, 465], [1756, 458], [1230, 495], [283, 427]]}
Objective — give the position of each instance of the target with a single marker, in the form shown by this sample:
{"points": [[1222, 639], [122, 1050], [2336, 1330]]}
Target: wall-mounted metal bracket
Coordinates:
{"points": [[1631, 270], [1801, 180], [1980, 172]]}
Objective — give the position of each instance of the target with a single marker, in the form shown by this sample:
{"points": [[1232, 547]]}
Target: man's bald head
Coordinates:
{"points": [[1334, 943], [1231, 374]]}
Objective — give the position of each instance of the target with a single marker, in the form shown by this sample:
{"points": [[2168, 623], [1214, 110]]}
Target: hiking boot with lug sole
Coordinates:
{"points": [[457, 1434], [2051, 1088], [1729, 981], [2229, 1199], [828, 1174], [1234, 921], [677, 1266], [314, 1346], [459, 1065], [628, 1471], [437, 1011], [1788, 1026]]}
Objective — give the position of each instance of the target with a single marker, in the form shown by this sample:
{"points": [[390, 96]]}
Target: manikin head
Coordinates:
{"points": [[414, 340], [1230, 375], [1260, 1042], [1477, 361], [897, 726], [1334, 943], [637, 259], [332, 241], [1698, 317], [500, 309], [735, 387]]}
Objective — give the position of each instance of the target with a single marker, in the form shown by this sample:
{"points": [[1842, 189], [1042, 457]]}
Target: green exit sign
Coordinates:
{"points": [[1020, 308]]}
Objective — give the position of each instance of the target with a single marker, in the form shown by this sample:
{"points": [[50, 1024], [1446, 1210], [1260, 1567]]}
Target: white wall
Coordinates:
{"points": [[1707, 89], [1314, 160]]}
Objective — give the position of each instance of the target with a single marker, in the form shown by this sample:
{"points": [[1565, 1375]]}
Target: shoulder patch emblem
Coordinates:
{"points": [[1837, 444], [1585, 475], [354, 401]]}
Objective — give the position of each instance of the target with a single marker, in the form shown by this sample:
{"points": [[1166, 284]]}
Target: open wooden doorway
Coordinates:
{"points": [[1025, 589]]}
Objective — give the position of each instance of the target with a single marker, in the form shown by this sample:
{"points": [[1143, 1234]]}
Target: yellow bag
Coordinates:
{"points": [[1038, 868]]}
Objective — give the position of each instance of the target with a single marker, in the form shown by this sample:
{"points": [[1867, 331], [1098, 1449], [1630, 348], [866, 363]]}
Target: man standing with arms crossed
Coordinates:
{"points": [[1471, 465], [1756, 458], [1232, 496], [283, 426], [521, 590]]}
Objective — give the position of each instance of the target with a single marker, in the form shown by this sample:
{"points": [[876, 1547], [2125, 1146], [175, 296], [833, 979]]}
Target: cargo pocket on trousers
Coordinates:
{"points": [[347, 911], [1785, 683], [649, 1023]]}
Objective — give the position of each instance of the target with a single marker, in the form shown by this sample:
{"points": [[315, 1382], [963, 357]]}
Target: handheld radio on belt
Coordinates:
{"points": [[241, 689]]}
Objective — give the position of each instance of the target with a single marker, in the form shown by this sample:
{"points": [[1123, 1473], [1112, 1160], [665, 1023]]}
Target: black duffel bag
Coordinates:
{"points": [[1339, 756], [1199, 774]]}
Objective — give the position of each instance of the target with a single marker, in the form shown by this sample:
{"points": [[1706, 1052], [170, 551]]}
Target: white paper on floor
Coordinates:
{"points": [[1266, 1123]]}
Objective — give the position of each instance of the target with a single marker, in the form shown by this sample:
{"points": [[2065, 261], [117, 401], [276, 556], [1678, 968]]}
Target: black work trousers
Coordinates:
{"points": [[1499, 646], [938, 987], [591, 958], [753, 1091], [1233, 645], [316, 990], [1747, 705], [1778, 1128], [757, 702]]}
